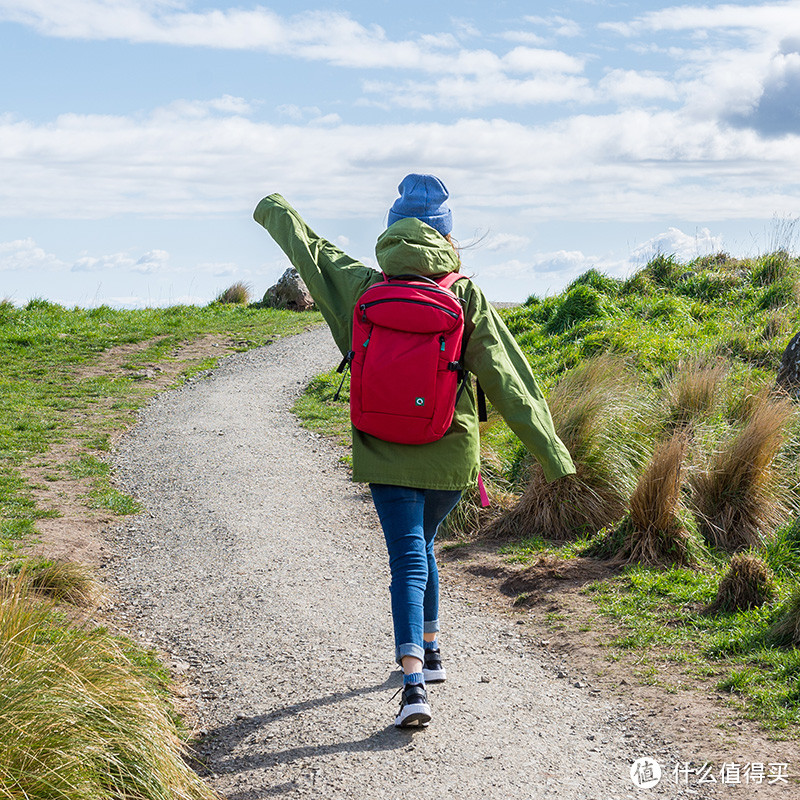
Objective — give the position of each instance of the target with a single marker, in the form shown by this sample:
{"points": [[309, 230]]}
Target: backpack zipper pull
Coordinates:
{"points": [[441, 343]]}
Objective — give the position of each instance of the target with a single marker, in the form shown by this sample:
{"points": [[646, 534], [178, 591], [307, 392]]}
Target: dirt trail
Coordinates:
{"points": [[262, 569]]}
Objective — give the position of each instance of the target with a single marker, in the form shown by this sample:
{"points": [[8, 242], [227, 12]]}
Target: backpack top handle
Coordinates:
{"points": [[410, 277]]}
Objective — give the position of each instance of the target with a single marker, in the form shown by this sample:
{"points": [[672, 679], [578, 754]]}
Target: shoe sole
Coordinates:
{"points": [[434, 675], [418, 715]]}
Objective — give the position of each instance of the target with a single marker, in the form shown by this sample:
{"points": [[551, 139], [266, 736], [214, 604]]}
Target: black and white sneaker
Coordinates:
{"points": [[414, 708], [432, 669]]}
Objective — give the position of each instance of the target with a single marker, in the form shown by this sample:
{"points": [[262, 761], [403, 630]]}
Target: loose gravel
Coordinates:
{"points": [[262, 570]]}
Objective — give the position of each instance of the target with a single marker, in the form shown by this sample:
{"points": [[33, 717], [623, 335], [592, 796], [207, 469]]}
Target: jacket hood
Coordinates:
{"points": [[410, 245]]}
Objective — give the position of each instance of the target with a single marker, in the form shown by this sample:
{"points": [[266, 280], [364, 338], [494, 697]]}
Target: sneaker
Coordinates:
{"points": [[432, 669], [414, 708]]}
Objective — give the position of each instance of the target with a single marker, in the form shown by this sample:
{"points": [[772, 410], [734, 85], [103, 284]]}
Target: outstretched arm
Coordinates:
{"points": [[334, 279], [494, 356]]}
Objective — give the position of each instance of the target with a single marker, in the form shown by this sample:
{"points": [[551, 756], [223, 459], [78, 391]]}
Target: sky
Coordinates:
{"points": [[137, 136]]}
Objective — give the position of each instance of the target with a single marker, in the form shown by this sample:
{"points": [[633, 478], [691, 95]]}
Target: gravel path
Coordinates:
{"points": [[262, 569]]}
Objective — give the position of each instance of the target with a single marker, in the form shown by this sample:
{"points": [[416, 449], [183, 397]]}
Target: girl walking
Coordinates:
{"points": [[415, 486]]}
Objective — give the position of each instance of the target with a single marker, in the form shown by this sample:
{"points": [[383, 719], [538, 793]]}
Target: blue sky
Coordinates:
{"points": [[137, 136]]}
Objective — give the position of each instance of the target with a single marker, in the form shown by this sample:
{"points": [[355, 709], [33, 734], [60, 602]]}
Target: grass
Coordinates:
{"points": [[85, 714], [662, 616], [656, 531], [82, 716], [592, 406], [749, 583], [741, 497], [62, 581], [319, 411], [236, 293]]}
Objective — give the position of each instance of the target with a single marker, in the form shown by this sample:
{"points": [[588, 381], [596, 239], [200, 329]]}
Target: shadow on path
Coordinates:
{"points": [[215, 752]]}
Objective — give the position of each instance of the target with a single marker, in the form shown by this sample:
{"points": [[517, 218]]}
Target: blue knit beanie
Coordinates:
{"points": [[423, 197]]}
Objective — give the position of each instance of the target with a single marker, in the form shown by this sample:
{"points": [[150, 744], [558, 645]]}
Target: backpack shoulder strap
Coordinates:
{"points": [[448, 280]]}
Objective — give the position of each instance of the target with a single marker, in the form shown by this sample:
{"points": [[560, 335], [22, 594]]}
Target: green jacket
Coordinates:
{"points": [[336, 281]]}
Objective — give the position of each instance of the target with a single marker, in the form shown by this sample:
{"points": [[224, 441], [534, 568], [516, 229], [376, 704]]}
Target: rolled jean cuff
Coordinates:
{"points": [[408, 650], [431, 627]]}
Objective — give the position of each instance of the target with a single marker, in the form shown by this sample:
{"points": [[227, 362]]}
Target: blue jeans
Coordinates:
{"points": [[410, 518]]}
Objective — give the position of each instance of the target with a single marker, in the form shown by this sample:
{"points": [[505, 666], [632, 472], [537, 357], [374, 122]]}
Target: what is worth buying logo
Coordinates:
{"points": [[647, 773]]}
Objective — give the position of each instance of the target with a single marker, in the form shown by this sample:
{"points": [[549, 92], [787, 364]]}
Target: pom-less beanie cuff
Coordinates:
{"points": [[423, 197]]}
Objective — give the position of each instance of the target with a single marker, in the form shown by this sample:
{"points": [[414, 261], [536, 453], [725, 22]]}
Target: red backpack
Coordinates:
{"points": [[405, 359]]}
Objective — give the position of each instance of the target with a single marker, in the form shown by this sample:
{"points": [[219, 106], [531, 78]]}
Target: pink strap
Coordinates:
{"points": [[482, 489], [448, 280]]}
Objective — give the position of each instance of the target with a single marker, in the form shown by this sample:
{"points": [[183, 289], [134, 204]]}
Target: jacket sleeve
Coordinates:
{"points": [[494, 357], [334, 279]]}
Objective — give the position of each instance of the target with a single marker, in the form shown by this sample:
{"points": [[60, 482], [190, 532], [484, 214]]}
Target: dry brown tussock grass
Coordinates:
{"points": [[585, 406], [655, 532], [743, 495], [748, 583], [695, 389]]}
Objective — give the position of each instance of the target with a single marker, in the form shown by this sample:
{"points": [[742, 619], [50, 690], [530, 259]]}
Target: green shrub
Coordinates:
{"points": [[711, 261], [597, 280], [8, 312], [664, 270], [785, 630], [656, 531], [744, 493], [581, 303], [595, 408], [782, 553], [772, 267], [640, 283], [749, 583], [710, 285], [782, 292]]}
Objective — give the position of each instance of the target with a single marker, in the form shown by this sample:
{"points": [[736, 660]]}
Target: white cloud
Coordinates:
{"points": [[486, 90], [149, 263], [635, 165], [628, 85], [298, 113], [566, 263], [529, 59], [558, 268], [777, 18], [327, 119], [25, 254], [221, 269], [495, 242], [333, 37], [559, 26], [524, 37], [200, 109], [738, 66], [683, 246]]}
